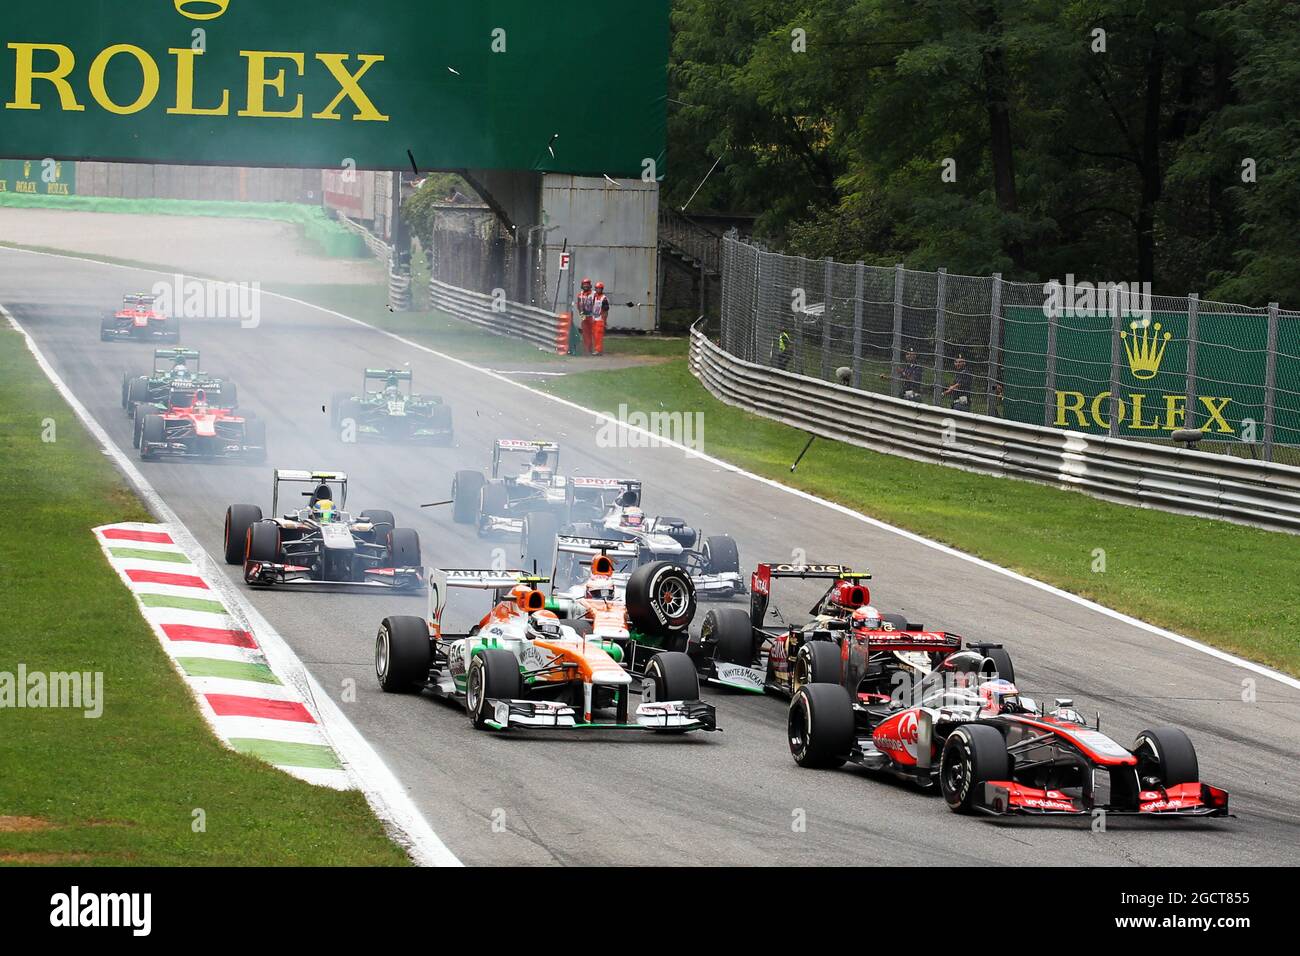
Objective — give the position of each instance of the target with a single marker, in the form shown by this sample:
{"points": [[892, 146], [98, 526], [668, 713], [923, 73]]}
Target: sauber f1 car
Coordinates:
{"points": [[611, 508], [191, 427], [991, 750], [521, 666], [393, 412], [175, 372], [322, 544], [138, 319], [740, 649]]}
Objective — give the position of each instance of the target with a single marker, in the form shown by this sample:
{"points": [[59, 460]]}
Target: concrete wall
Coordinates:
{"points": [[612, 230]]}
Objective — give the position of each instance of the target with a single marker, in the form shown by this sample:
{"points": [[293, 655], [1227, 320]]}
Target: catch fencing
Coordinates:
{"points": [[1158, 476], [1103, 359]]}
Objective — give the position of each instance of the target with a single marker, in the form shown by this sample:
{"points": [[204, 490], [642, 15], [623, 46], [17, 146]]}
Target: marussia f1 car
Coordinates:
{"points": [[175, 371], [520, 666], [139, 320], [503, 504], [739, 649], [611, 508], [322, 544], [394, 413], [991, 750], [191, 427]]}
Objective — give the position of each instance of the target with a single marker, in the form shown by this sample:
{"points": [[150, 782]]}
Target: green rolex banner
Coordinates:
{"points": [[38, 178], [1231, 374], [380, 84]]}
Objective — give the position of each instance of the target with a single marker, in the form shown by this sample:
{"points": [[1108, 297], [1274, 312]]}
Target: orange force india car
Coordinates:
{"points": [[521, 666]]}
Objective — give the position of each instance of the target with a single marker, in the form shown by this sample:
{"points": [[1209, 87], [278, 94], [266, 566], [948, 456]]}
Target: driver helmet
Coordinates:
{"points": [[866, 618], [541, 458], [633, 518], [180, 370], [630, 498], [543, 626], [998, 697], [962, 669], [325, 511]]}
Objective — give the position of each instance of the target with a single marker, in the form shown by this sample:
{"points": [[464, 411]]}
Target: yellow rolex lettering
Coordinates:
{"points": [[185, 87], [258, 82], [1098, 404], [1175, 412], [1136, 421], [350, 87], [1075, 400], [26, 75], [149, 84], [1215, 407]]}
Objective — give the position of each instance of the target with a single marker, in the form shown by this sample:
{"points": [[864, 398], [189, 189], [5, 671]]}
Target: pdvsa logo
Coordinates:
{"points": [[201, 9]]}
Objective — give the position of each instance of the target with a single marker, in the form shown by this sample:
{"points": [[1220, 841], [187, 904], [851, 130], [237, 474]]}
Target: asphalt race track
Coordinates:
{"points": [[730, 798]]}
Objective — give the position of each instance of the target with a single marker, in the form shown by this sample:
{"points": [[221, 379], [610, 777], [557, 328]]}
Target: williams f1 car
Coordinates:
{"points": [[137, 319], [530, 503], [611, 508], [322, 544], [521, 666], [991, 750], [392, 412], [175, 372], [189, 426]]}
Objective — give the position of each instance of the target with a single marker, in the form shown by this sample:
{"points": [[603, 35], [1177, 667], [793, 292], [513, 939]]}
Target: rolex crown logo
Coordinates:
{"points": [[1147, 350], [201, 9]]}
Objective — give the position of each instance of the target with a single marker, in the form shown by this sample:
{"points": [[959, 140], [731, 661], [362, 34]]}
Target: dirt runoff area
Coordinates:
{"points": [[237, 250]]}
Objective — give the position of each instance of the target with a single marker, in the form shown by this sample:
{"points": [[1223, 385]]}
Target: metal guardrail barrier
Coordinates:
{"points": [[1137, 473], [513, 319]]}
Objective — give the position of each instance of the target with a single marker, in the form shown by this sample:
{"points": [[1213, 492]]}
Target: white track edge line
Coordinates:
{"points": [[387, 797], [1168, 635]]}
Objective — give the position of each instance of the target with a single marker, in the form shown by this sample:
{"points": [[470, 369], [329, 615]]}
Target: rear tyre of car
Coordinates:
{"points": [[255, 438], [998, 662], [107, 326], [537, 542], [972, 756], [239, 518], [403, 548], [728, 630], [402, 654], [672, 676], [153, 431], [440, 418], [466, 488], [820, 726], [818, 662], [137, 390], [721, 554], [263, 542], [1166, 754], [138, 414], [660, 599], [493, 675]]}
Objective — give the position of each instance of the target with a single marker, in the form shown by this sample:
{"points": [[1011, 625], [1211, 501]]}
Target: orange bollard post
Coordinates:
{"points": [[562, 327]]}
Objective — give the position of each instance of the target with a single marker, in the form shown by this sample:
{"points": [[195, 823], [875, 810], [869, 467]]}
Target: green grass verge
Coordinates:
{"points": [[121, 789], [329, 236], [1234, 587]]}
